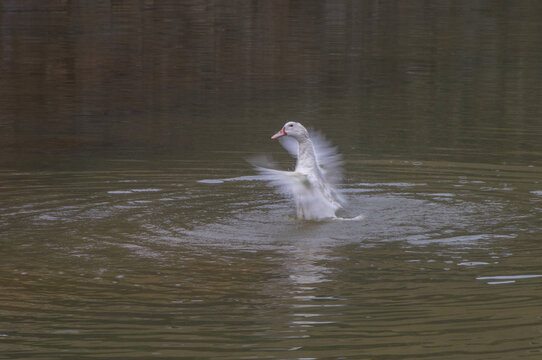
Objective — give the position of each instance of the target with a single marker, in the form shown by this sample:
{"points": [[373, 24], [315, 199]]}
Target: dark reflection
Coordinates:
{"points": [[172, 78]]}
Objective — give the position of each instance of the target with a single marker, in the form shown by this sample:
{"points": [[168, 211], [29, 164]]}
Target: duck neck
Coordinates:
{"points": [[306, 157]]}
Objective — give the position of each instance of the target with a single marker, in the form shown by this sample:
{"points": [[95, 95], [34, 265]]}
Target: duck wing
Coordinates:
{"points": [[312, 203], [314, 199], [328, 158], [286, 182]]}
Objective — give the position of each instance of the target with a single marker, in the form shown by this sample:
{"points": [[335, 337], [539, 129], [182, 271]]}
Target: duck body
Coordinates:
{"points": [[313, 182]]}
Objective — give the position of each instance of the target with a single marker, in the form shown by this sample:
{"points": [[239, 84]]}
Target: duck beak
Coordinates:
{"points": [[281, 133]]}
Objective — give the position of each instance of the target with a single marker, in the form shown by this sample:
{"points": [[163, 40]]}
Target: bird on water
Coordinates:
{"points": [[318, 171]]}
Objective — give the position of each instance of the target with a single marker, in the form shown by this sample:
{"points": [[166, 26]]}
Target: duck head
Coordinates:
{"points": [[293, 129]]}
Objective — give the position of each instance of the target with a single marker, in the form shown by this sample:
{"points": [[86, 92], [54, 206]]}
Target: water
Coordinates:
{"points": [[132, 227]]}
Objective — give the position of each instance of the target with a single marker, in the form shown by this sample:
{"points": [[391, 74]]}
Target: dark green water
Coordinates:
{"points": [[132, 227]]}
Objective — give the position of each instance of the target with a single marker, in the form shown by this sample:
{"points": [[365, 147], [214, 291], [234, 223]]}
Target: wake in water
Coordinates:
{"points": [[356, 218]]}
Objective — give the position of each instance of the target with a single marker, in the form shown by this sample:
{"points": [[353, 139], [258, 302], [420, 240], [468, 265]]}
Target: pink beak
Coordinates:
{"points": [[281, 133]]}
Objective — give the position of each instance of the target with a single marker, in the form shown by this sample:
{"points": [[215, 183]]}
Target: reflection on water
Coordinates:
{"points": [[148, 262], [131, 226], [415, 79]]}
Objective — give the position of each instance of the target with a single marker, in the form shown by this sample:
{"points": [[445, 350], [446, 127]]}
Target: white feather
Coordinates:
{"points": [[318, 170]]}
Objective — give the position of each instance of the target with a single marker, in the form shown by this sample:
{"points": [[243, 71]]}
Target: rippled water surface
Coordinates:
{"points": [[132, 227]]}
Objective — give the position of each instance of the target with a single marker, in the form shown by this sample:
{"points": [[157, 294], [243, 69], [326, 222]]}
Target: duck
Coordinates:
{"points": [[313, 184]]}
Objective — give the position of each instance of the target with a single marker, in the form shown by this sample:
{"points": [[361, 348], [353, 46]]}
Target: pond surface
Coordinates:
{"points": [[132, 226]]}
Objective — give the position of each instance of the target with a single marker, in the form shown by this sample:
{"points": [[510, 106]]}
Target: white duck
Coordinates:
{"points": [[317, 171]]}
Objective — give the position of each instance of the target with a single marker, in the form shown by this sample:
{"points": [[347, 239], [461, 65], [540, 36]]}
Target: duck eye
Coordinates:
{"points": [[291, 125]]}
